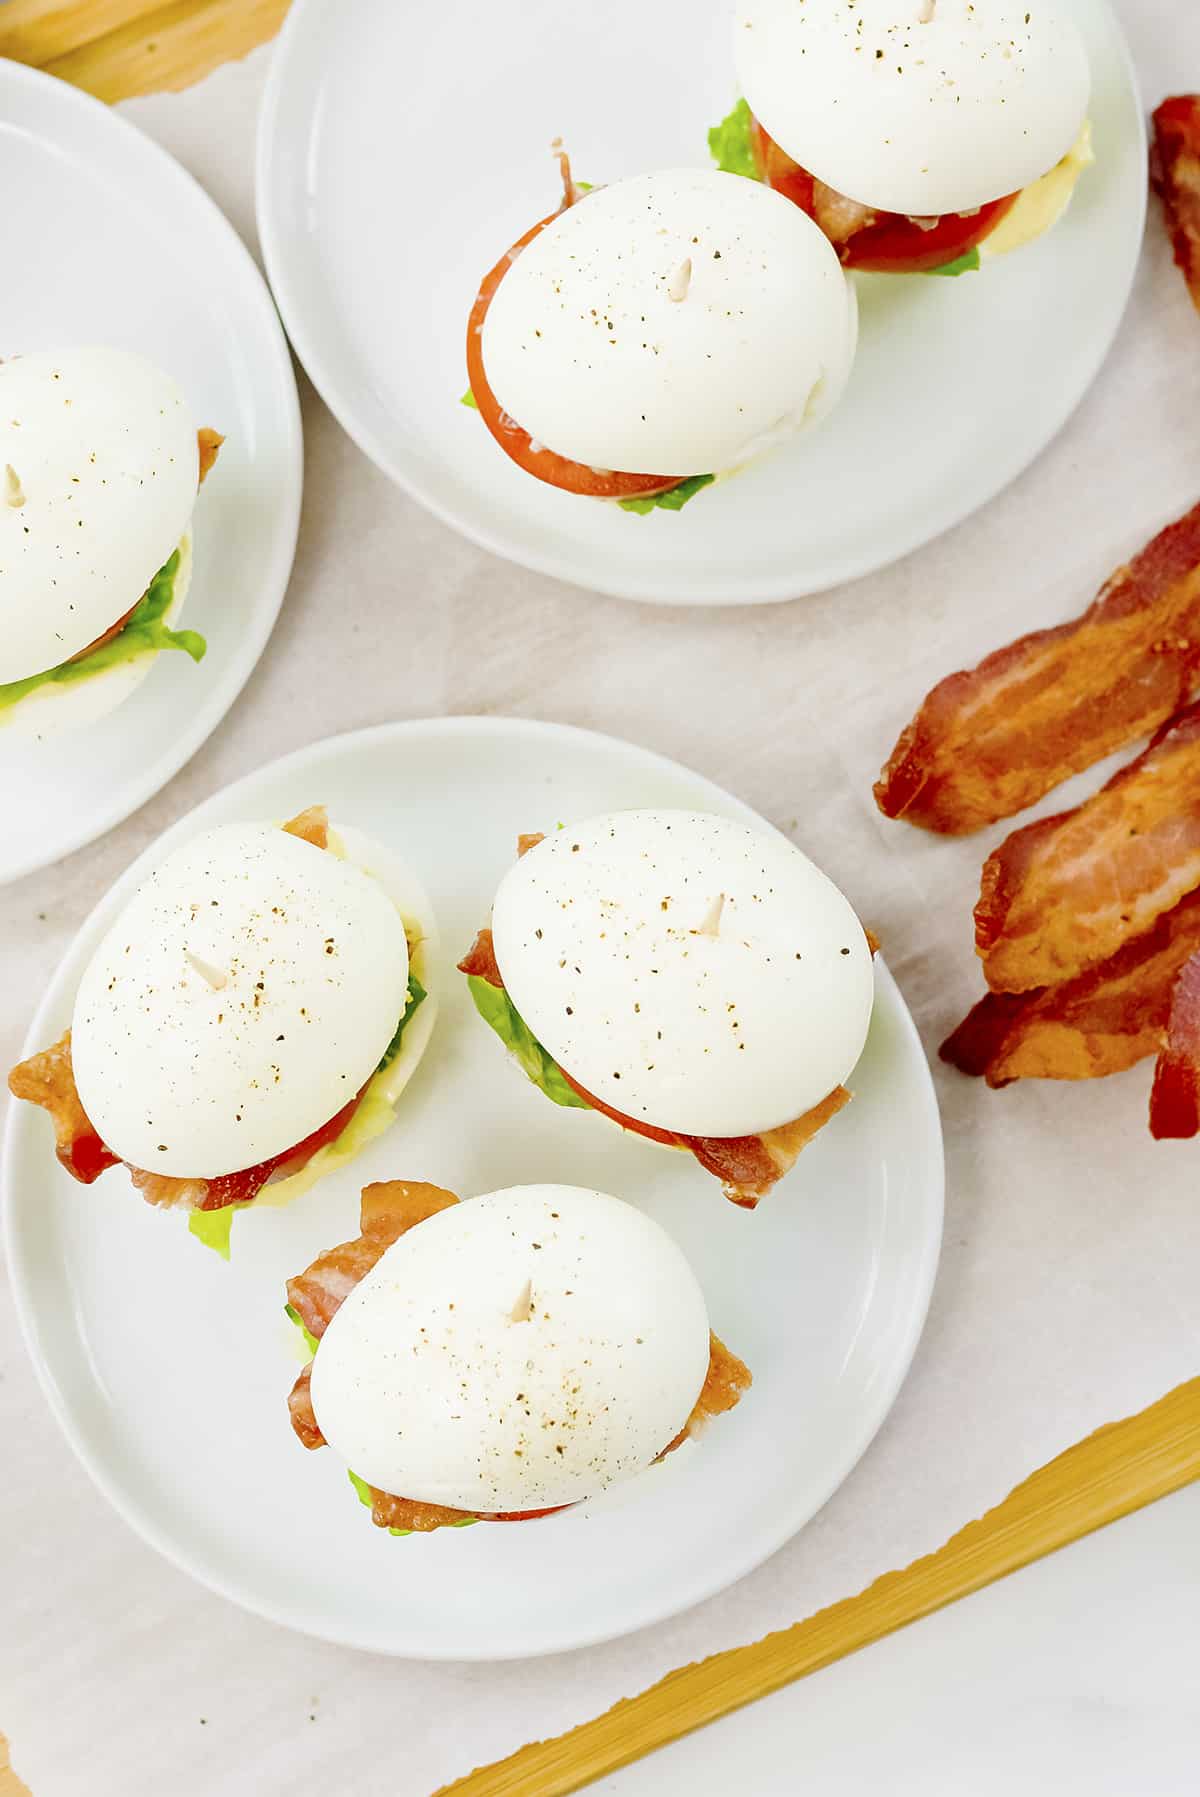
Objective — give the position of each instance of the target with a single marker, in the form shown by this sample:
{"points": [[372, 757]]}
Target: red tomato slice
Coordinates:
{"points": [[544, 464], [630, 1123], [525, 1515], [896, 246], [893, 244], [114, 630], [240, 1188]]}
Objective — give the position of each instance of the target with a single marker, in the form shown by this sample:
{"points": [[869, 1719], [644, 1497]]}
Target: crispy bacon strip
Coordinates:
{"points": [[389, 1209], [48, 1079], [1064, 893], [748, 1166], [209, 443], [1175, 1097], [988, 742], [311, 825], [1175, 168], [1103, 1021]]}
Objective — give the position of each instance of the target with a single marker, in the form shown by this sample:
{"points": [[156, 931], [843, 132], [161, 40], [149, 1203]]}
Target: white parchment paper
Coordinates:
{"points": [[1067, 1294]]}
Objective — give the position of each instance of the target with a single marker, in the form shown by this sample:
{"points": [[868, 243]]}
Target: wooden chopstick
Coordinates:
{"points": [[118, 48], [1119, 1469]]}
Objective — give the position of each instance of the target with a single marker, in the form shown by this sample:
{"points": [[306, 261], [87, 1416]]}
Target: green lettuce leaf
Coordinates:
{"points": [[962, 265], [496, 1009], [144, 633], [731, 146], [416, 996], [310, 1341], [212, 1227], [469, 399], [673, 500]]}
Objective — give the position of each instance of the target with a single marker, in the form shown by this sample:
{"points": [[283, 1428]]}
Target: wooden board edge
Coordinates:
{"points": [[1119, 1469]]}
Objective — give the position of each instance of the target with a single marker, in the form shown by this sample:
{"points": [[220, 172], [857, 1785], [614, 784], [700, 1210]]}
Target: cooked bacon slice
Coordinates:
{"points": [[300, 1409], [1064, 893], [1105, 1020], [1176, 172], [748, 1166], [48, 1079], [388, 1210], [480, 962], [311, 825], [838, 216], [209, 443], [990, 741], [1175, 1097]]}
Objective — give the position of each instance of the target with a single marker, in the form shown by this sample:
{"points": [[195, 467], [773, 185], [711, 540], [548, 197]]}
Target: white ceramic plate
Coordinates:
{"points": [[403, 148], [107, 240], [169, 1370]]}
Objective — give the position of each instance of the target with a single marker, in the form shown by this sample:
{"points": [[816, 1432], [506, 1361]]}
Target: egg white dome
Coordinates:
{"points": [[102, 448], [601, 936], [515, 1352], [585, 347], [911, 113], [184, 1077]]}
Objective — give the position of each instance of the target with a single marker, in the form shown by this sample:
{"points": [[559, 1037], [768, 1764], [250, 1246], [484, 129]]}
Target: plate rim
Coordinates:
{"points": [[124, 1502], [202, 721], [305, 340]]}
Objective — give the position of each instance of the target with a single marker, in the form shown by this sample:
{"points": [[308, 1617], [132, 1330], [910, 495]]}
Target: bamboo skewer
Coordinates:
{"points": [[1115, 1471]]}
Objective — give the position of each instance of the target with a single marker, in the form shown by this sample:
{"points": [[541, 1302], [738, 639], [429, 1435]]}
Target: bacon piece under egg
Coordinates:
{"points": [[1176, 173], [48, 1079], [389, 1208], [1071, 890], [747, 1166], [988, 742], [1103, 1021]]}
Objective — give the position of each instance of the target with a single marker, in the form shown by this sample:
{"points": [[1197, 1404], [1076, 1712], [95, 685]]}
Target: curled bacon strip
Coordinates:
{"points": [[1105, 1020], [747, 1166], [208, 442], [1175, 1097], [1064, 893], [48, 1079], [1176, 173], [990, 741], [389, 1209]]}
